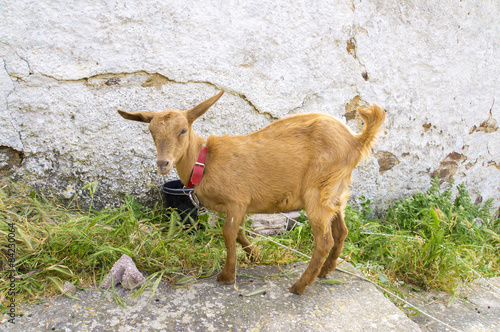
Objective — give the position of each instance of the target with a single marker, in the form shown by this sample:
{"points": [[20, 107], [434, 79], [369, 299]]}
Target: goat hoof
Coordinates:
{"points": [[297, 289], [322, 274], [224, 280]]}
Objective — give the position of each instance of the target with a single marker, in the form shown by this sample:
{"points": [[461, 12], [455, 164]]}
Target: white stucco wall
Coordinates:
{"points": [[68, 65]]}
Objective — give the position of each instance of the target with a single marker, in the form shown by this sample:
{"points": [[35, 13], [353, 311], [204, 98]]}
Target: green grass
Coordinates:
{"points": [[55, 244], [431, 240], [425, 235]]}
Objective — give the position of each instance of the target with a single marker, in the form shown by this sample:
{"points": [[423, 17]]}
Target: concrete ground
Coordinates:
{"points": [[204, 305], [475, 308], [207, 306]]}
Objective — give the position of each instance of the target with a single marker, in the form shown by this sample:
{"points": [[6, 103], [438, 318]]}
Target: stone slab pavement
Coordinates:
{"points": [[207, 306], [204, 305], [476, 308]]}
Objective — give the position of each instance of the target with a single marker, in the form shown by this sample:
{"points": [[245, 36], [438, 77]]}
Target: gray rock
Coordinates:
{"points": [[275, 223], [125, 272], [69, 288]]}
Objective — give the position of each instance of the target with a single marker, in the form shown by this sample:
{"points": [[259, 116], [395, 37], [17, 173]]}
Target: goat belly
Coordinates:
{"points": [[283, 202]]}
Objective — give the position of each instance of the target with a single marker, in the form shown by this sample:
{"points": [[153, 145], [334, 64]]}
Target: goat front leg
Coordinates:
{"points": [[230, 232]]}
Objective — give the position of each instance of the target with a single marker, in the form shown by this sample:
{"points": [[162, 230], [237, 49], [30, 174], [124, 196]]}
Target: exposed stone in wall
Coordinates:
{"points": [[65, 69], [494, 163], [427, 126], [9, 159], [386, 160], [449, 166], [487, 126], [351, 111], [155, 80]]}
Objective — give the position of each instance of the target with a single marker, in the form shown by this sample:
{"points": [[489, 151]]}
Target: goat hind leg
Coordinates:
{"points": [[323, 242], [247, 246], [339, 233]]}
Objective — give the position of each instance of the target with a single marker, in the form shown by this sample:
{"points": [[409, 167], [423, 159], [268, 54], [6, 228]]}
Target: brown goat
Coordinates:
{"points": [[301, 161]]}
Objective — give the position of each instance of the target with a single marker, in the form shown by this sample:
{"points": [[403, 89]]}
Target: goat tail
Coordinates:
{"points": [[374, 117]]}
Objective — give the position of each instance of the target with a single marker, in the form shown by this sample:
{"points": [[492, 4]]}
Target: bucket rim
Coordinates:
{"points": [[165, 189]]}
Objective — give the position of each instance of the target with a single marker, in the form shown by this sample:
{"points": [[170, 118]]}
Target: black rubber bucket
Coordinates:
{"points": [[174, 196]]}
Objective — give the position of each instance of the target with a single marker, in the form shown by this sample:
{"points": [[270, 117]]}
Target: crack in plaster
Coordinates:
{"points": [[353, 6], [7, 104], [308, 97], [30, 72], [352, 50], [15, 80], [162, 79], [268, 115], [351, 46]]}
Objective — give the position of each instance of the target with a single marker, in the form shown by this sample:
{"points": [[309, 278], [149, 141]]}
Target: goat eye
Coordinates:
{"points": [[182, 132]]}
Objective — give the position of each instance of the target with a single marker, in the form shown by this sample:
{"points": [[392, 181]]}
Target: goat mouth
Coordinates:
{"points": [[164, 170]]}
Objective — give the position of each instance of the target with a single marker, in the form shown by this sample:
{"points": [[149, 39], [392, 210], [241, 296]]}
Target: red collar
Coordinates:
{"points": [[199, 166]]}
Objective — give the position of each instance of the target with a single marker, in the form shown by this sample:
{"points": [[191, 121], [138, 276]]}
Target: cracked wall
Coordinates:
{"points": [[67, 67]]}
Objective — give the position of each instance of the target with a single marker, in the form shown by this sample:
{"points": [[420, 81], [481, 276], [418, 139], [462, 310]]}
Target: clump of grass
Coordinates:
{"points": [[429, 240], [55, 244]]}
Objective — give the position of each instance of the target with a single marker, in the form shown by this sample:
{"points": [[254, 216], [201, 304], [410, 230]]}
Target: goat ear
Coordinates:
{"points": [[200, 109], [137, 116]]}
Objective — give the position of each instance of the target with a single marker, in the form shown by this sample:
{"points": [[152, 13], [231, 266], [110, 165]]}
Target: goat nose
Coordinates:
{"points": [[163, 166], [162, 163]]}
